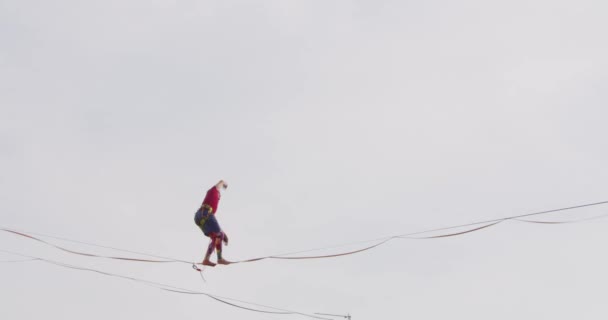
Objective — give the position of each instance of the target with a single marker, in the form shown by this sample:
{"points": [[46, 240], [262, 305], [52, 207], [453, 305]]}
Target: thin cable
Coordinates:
{"points": [[457, 226], [383, 240], [157, 284], [333, 255], [334, 315], [452, 234], [370, 247], [314, 257], [85, 253], [332, 246], [409, 235], [108, 247], [171, 288], [506, 218], [562, 222]]}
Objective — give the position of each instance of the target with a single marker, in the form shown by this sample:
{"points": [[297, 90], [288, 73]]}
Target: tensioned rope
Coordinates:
{"points": [[23, 234], [171, 288], [379, 241], [487, 223], [168, 259]]}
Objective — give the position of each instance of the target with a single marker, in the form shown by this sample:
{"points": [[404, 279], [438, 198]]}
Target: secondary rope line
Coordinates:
{"points": [[171, 288], [409, 235], [314, 257], [85, 253], [383, 240], [228, 303], [111, 248], [452, 234], [368, 248], [405, 236], [508, 218], [334, 315], [562, 222]]}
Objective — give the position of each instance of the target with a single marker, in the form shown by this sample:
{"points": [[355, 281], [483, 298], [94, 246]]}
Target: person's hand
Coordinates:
{"points": [[221, 185], [225, 239]]}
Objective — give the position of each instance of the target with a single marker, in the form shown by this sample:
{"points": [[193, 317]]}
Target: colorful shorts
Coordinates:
{"points": [[206, 222]]}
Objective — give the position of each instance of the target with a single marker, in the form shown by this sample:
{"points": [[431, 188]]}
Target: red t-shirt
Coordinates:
{"points": [[212, 199]]}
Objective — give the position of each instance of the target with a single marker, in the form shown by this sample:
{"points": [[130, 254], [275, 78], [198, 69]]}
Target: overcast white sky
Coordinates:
{"points": [[333, 121]]}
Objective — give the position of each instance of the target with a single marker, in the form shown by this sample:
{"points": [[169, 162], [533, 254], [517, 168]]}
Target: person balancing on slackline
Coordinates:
{"points": [[206, 221]]}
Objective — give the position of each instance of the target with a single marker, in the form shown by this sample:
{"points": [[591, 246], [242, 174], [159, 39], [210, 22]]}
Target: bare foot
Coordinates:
{"points": [[223, 261], [208, 263]]}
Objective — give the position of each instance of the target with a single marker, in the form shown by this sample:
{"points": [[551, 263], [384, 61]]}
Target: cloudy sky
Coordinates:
{"points": [[333, 122]]}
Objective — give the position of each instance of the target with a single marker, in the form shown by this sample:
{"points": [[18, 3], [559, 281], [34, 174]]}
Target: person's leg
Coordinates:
{"points": [[219, 239], [210, 249], [214, 231], [217, 243], [201, 220]]}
